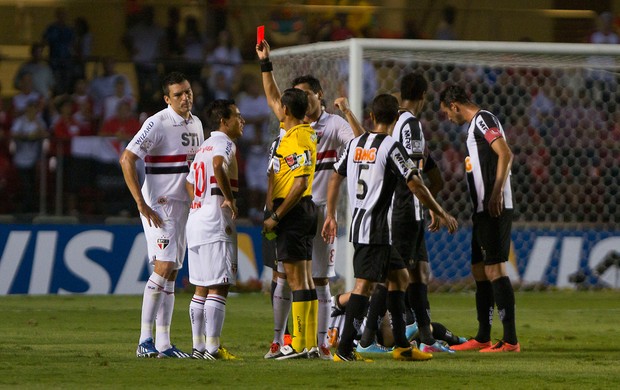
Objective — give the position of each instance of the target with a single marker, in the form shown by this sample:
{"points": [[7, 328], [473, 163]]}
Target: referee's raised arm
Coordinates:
{"points": [[272, 92]]}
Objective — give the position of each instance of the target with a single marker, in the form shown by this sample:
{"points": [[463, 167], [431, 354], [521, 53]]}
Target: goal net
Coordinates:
{"points": [[558, 104]]}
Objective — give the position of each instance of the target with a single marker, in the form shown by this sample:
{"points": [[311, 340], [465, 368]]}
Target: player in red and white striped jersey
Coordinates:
{"points": [[167, 143]]}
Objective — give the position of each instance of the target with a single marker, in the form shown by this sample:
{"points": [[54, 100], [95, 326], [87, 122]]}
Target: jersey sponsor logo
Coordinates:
{"points": [[481, 124], [228, 148], [146, 132], [417, 146], [189, 139], [162, 243], [207, 148], [276, 164], [405, 164], [365, 155], [406, 137]]}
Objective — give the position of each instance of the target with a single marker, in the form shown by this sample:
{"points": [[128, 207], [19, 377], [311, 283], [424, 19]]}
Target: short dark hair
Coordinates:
{"points": [[296, 101], [385, 108], [413, 86], [170, 79], [217, 110], [453, 94], [313, 82]]}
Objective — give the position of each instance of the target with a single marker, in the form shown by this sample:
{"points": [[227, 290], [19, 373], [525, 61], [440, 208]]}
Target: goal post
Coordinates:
{"points": [[559, 104]]}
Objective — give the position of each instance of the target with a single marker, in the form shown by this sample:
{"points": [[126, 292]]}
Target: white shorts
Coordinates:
{"points": [[323, 254], [167, 243], [213, 264]]}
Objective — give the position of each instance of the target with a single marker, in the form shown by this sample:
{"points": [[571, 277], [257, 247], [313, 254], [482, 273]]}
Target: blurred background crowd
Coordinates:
{"points": [[79, 77]]}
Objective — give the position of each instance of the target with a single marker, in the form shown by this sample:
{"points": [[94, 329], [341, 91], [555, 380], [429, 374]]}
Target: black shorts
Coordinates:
{"points": [[408, 239], [372, 262], [490, 239], [296, 230]]}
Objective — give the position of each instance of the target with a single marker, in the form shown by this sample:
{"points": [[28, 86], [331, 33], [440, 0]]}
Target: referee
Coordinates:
{"points": [[294, 217]]}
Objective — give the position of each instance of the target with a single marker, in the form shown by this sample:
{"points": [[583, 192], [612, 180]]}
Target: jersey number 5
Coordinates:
{"points": [[362, 187]]}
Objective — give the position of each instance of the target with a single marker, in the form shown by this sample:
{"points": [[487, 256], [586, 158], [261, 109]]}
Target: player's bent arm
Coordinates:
{"points": [[189, 187], [435, 181], [417, 188], [343, 105], [300, 184], [504, 163], [223, 182], [130, 174]]}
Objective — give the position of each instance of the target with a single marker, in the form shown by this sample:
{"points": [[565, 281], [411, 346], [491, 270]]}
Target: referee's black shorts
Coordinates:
{"points": [[490, 239], [296, 230]]}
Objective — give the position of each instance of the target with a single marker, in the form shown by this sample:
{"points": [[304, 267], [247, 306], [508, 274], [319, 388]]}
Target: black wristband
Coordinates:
{"points": [[266, 65]]}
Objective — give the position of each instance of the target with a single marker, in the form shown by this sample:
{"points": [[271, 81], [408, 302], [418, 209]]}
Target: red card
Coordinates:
{"points": [[260, 34]]}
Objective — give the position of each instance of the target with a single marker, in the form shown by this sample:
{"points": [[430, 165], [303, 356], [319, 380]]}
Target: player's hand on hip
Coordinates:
{"points": [[151, 216], [262, 50], [233, 208]]}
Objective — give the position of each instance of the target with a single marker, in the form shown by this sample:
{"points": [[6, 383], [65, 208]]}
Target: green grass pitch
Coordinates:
{"points": [[569, 339]]}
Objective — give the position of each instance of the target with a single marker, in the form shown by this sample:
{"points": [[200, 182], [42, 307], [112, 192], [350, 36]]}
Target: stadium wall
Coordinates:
{"points": [[103, 259]]}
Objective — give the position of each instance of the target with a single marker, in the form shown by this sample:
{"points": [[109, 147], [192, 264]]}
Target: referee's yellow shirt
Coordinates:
{"points": [[294, 157]]}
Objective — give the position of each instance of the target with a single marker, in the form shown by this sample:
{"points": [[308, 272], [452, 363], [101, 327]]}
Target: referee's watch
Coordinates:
{"points": [[275, 217]]}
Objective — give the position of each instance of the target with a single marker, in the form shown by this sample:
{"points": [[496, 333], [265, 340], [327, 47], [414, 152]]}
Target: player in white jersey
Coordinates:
{"points": [[167, 143], [488, 176], [372, 164], [212, 182]]}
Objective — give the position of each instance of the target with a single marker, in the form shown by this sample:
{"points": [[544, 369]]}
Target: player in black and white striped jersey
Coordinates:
{"points": [[488, 176], [372, 164]]}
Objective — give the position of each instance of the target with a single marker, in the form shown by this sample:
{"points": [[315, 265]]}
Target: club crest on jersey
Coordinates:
{"points": [[162, 243], [365, 155]]}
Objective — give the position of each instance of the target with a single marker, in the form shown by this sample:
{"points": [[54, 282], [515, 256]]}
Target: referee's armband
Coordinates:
{"points": [[266, 65]]}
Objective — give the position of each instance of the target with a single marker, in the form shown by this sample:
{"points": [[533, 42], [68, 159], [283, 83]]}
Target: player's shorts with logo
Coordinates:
{"points": [[296, 231], [490, 239], [167, 243], [323, 253], [408, 240], [371, 262], [213, 264]]}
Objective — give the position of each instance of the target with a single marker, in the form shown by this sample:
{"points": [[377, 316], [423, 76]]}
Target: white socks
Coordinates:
{"points": [[281, 309], [164, 317], [197, 319], [151, 301], [215, 311], [324, 296]]}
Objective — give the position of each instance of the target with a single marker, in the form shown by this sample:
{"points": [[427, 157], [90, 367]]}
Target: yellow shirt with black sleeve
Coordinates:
{"points": [[294, 157]]}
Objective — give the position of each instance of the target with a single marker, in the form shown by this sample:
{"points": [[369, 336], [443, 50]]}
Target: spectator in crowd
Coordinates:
{"points": [[602, 80], [27, 134], [252, 103], [445, 29], [144, 42], [194, 44], [110, 103], [226, 60], [80, 94], [42, 75], [172, 46], [286, 26], [60, 38], [222, 89], [25, 95], [82, 47], [123, 124], [103, 86]]}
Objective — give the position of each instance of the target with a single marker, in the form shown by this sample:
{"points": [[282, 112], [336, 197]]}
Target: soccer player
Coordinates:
{"points": [[488, 176], [167, 143], [211, 232], [407, 212], [294, 213], [372, 164]]}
